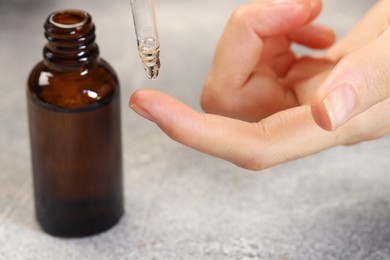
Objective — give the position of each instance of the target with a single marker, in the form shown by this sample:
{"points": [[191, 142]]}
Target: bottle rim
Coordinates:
{"points": [[75, 14]]}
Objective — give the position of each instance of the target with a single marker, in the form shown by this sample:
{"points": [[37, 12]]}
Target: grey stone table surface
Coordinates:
{"points": [[181, 204]]}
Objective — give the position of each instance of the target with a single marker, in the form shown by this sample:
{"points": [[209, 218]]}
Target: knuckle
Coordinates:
{"points": [[373, 80], [213, 100], [379, 80], [254, 159], [207, 97], [252, 164], [373, 84], [239, 15], [371, 124]]}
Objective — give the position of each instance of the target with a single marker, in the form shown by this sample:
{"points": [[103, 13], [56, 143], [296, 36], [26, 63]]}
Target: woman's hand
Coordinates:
{"points": [[263, 99], [361, 78]]}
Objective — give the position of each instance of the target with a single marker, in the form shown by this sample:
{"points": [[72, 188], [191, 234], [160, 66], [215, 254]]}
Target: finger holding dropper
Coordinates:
{"points": [[147, 36]]}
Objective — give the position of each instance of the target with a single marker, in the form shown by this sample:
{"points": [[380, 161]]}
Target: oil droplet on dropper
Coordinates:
{"points": [[149, 51]]}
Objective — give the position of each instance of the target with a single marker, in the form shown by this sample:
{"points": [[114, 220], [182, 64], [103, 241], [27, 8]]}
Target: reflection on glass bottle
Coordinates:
{"points": [[74, 122]]}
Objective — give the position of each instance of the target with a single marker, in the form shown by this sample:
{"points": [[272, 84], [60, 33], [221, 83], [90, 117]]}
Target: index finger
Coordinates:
{"points": [[284, 136]]}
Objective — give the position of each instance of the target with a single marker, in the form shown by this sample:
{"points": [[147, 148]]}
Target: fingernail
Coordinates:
{"points": [[339, 104], [141, 111]]}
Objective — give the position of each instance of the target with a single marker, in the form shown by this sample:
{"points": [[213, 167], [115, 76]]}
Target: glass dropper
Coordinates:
{"points": [[147, 36]]}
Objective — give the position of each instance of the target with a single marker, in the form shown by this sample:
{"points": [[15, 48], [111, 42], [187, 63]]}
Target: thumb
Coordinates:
{"points": [[359, 81]]}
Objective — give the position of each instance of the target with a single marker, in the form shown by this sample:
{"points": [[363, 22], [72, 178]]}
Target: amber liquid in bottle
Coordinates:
{"points": [[74, 122]]}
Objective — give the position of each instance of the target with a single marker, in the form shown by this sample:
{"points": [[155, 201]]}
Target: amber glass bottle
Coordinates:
{"points": [[74, 121]]}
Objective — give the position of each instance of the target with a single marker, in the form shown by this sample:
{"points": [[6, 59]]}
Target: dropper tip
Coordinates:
{"points": [[150, 56], [152, 71]]}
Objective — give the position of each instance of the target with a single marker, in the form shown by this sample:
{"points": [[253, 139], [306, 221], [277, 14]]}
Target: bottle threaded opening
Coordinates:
{"points": [[71, 41], [69, 19]]}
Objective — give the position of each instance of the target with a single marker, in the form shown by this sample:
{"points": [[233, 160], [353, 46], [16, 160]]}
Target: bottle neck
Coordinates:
{"points": [[71, 43]]}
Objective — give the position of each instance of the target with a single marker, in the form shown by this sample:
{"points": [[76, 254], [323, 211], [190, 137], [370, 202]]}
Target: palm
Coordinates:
{"points": [[279, 81], [258, 75]]}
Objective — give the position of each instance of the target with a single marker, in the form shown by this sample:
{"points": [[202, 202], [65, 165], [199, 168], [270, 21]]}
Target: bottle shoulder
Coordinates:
{"points": [[72, 90]]}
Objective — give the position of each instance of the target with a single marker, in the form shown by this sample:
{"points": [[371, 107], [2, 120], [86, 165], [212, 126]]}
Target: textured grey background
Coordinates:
{"points": [[181, 204]]}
